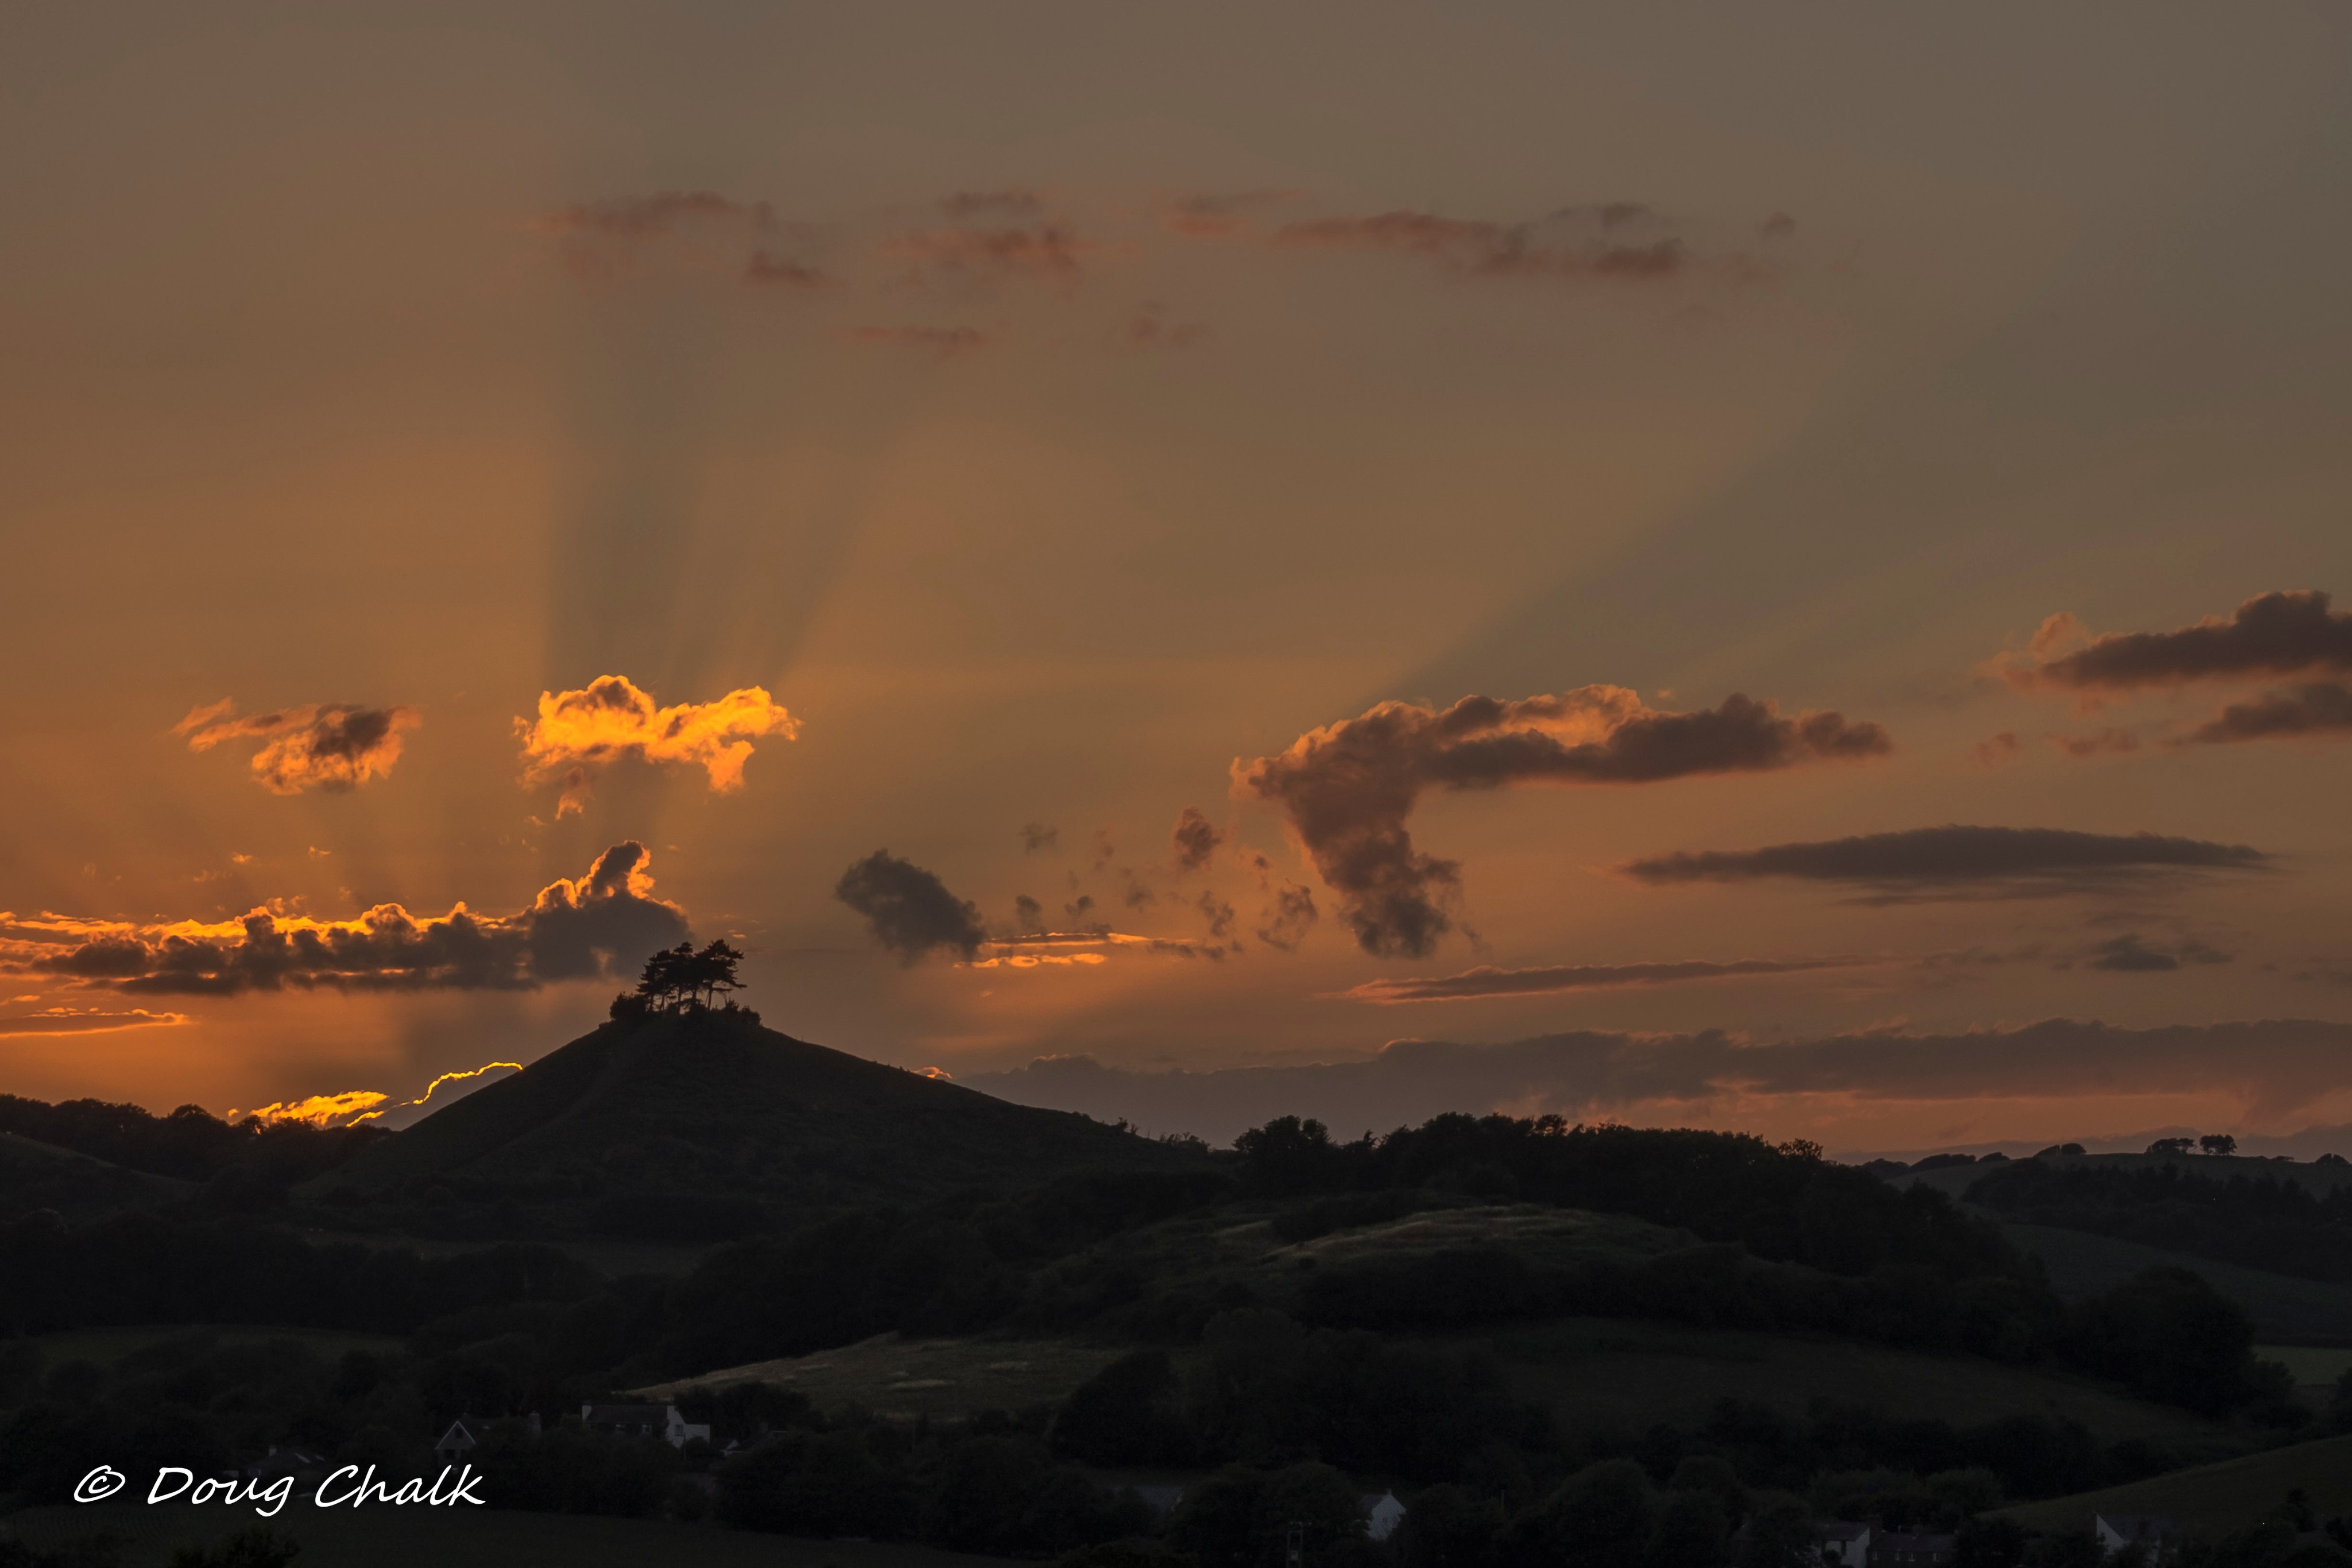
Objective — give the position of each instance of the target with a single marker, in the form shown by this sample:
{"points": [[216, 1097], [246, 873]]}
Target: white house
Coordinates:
{"points": [[1383, 1514], [661, 1421], [2117, 1531], [1843, 1543]]}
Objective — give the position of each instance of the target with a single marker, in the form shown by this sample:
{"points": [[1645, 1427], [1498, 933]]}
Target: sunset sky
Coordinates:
{"points": [[1843, 499]]}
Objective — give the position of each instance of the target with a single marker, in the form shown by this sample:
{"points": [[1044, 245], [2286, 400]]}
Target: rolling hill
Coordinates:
{"points": [[719, 1108]]}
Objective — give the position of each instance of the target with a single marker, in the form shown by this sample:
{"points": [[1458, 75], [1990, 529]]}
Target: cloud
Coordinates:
{"points": [[650, 216], [334, 747], [2127, 955], [87, 1020], [1957, 861], [1348, 787], [909, 910], [2272, 634], [1008, 203], [1150, 328], [1997, 751], [1289, 914], [2319, 708], [2098, 743], [1058, 949], [1215, 216], [611, 718], [2274, 1068], [768, 269], [1196, 838], [1476, 247], [1779, 225], [1474, 985], [318, 1110], [944, 342], [598, 926], [1036, 836], [972, 255]]}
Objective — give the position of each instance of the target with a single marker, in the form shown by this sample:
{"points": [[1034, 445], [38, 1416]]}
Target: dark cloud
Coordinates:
{"points": [[645, 217], [1028, 914], [1486, 980], [599, 926], [2273, 1068], [1217, 912], [909, 910], [2321, 707], [1477, 247], [1196, 838], [87, 1020], [1036, 836], [2127, 955], [1961, 862], [942, 342], [334, 747], [1347, 788], [2273, 634], [1779, 225]]}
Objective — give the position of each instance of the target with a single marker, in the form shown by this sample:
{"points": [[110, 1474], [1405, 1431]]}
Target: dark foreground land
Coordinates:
{"points": [[920, 1323]]}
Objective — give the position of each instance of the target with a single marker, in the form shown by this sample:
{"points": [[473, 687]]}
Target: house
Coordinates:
{"points": [[1843, 1543], [661, 1421], [465, 1434], [2117, 1531], [1160, 1500], [1383, 1514], [1894, 1549]]}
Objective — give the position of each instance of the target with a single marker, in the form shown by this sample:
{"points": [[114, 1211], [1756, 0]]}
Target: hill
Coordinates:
{"points": [[2214, 1500], [2285, 1309], [685, 1127], [37, 1175]]}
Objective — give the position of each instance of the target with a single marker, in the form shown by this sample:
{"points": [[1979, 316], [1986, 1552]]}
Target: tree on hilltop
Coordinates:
{"points": [[680, 979]]}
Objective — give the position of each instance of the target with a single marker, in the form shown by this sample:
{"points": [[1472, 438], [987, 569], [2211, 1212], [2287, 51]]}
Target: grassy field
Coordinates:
{"points": [[910, 1377], [2213, 1500], [2285, 1309], [106, 1346], [464, 1538], [1609, 1373]]}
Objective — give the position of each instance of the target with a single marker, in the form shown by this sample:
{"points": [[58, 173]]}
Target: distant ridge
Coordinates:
{"points": [[717, 1104]]}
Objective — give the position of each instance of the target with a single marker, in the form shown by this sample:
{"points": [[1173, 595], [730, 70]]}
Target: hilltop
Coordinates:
{"points": [[689, 1126]]}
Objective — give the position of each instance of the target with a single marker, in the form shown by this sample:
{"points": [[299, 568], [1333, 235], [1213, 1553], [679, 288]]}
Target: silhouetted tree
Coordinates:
{"points": [[2217, 1144], [679, 978]]}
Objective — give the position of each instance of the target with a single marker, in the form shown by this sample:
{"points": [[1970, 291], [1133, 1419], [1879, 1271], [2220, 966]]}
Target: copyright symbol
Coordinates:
{"points": [[100, 1484]]}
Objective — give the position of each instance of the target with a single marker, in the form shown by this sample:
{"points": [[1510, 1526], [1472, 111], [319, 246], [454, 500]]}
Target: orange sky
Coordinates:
{"points": [[942, 421]]}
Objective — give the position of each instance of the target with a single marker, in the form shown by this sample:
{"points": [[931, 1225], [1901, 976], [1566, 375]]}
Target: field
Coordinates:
{"points": [[2284, 1308], [383, 1537], [2213, 1500], [1597, 1373], [897, 1376]]}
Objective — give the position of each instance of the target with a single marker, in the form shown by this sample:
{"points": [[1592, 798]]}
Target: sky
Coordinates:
{"points": [[1680, 564]]}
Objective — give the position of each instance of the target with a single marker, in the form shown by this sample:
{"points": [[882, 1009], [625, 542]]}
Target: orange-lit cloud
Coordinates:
{"points": [[334, 746], [1957, 861], [592, 926], [1348, 787], [1052, 949], [2319, 709], [1574, 242], [1486, 980], [317, 1111], [87, 1020], [1997, 751], [1150, 328], [612, 718], [945, 342], [2097, 743], [1007, 203]]}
